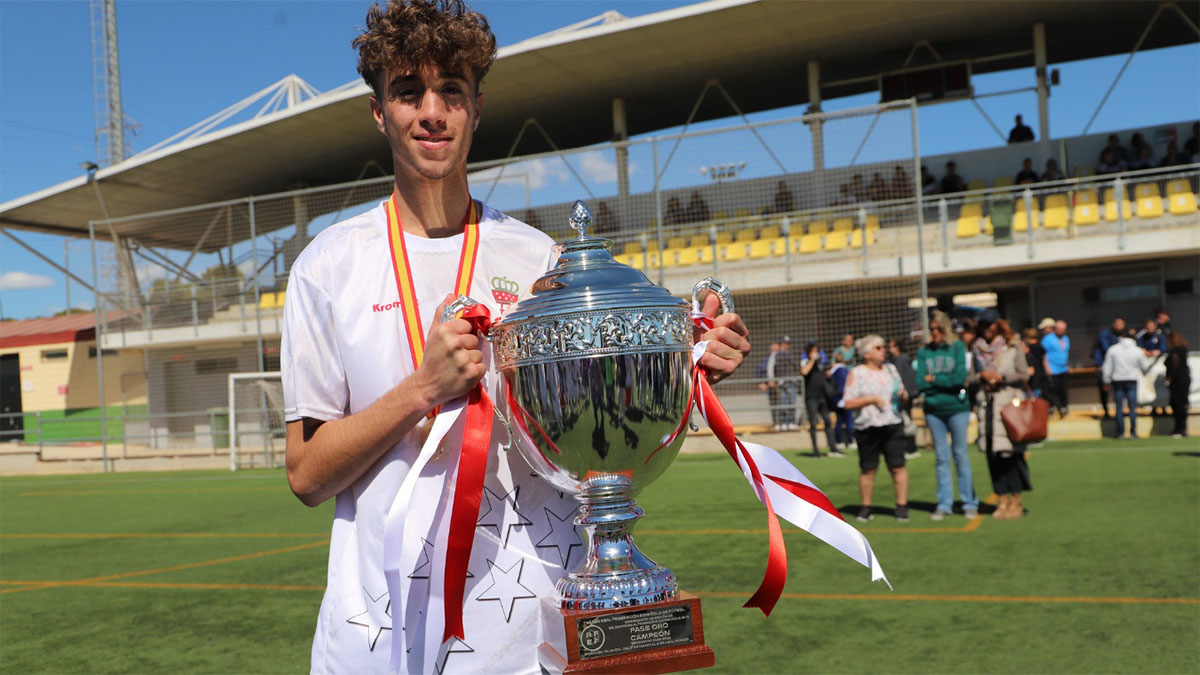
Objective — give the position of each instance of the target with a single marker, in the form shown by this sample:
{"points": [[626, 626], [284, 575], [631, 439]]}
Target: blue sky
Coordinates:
{"points": [[182, 61]]}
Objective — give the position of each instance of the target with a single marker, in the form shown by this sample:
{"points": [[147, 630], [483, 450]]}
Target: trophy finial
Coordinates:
{"points": [[581, 218]]}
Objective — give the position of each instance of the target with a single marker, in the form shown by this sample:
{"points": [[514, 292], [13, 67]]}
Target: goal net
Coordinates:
{"points": [[256, 428]]}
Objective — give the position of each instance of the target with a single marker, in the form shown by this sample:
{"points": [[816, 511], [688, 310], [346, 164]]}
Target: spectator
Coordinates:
{"points": [[942, 377], [873, 391], [1058, 352], [1179, 382], [765, 374], [1136, 143], [1124, 365], [697, 210], [1191, 147], [1172, 156], [1020, 133], [846, 349], [1114, 146], [675, 214], [1026, 174], [1046, 326], [1035, 356], [531, 219], [1143, 159], [858, 187], [1104, 341], [1051, 172], [817, 390], [1002, 382], [784, 202], [1109, 163], [847, 197], [843, 425], [606, 222], [908, 376], [878, 190], [1163, 318], [1151, 339], [789, 383], [952, 182], [928, 182], [902, 187]]}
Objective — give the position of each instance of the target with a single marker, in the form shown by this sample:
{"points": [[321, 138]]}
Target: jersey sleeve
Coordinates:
{"points": [[314, 377]]}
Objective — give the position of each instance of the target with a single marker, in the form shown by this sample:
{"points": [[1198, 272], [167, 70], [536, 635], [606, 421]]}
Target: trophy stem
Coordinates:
{"points": [[614, 573]]}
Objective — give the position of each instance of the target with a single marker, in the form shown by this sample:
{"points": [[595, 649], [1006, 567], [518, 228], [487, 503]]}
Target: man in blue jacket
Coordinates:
{"points": [[1107, 338]]}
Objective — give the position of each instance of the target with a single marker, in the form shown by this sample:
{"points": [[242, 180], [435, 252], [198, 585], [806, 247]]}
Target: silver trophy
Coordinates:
{"points": [[599, 362]]}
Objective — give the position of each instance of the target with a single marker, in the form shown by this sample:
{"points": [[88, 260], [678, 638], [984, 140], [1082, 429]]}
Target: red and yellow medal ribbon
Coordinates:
{"points": [[409, 308]]}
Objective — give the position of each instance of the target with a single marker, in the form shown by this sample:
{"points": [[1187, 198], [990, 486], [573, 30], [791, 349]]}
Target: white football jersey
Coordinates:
{"points": [[343, 347]]}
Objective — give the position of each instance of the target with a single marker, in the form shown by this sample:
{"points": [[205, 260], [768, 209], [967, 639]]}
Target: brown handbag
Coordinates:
{"points": [[1026, 420]]}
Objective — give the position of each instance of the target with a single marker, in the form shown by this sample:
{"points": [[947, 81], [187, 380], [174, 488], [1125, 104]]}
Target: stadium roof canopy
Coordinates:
{"points": [[657, 63]]}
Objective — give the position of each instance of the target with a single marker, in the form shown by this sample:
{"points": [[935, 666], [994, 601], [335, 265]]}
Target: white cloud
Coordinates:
{"points": [[19, 281], [598, 168], [539, 173]]}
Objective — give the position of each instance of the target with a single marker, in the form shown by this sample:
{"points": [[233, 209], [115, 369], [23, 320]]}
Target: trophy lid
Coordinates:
{"points": [[587, 278]]}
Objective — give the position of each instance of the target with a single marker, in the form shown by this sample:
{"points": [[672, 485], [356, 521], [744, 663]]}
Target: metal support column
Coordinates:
{"points": [[99, 357], [621, 133], [1043, 85], [919, 197], [814, 106]]}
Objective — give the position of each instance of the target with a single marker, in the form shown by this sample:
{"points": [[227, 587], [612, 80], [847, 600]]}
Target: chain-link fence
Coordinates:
{"points": [[809, 219]]}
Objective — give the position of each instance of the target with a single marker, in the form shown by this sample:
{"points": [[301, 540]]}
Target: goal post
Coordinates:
{"points": [[255, 419]]}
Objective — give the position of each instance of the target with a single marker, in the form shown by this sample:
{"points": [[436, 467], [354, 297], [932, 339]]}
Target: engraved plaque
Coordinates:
{"points": [[635, 631]]}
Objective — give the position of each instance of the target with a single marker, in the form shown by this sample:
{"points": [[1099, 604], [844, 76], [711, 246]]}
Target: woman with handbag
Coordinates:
{"points": [[1002, 374], [942, 378], [874, 390]]}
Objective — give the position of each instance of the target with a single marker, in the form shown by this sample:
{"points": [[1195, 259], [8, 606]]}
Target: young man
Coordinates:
{"points": [[366, 360]]}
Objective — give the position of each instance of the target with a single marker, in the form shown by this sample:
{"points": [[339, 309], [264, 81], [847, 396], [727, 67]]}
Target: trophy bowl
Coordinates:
{"points": [[598, 362]]}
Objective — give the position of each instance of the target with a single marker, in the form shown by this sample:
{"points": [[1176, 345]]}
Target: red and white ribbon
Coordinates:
{"points": [[782, 489]]}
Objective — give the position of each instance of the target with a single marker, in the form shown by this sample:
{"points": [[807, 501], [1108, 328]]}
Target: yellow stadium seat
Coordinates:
{"points": [[725, 237], [1056, 213], [1147, 189], [987, 225], [1021, 220], [761, 248], [266, 301], [1002, 181], [809, 243], [687, 256], [279, 298], [1176, 186], [835, 241], [872, 222], [632, 247], [1149, 204], [769, 232], [843, 225], [720, 216], [1087, 196], [669, 257], [1182, 203], [818, 227], [856, 238], [1110, 205], [746, 234], [700, 240], [706, 254], [971, 209], [652, 259], [968, 226], [977, 184], [742, 214], [1086, 214], [733, 252], [634, 260], [677, 242]]}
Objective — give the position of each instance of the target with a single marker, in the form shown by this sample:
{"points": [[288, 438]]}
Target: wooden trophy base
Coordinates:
{"points": [[662, 637]]}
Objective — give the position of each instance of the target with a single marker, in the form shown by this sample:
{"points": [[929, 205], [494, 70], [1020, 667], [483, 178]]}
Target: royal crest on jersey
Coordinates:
{"points": [[504, 291]]}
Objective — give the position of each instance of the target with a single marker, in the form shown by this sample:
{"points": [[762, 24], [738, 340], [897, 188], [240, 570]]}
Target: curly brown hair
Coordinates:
{"points": [[410, 33]]}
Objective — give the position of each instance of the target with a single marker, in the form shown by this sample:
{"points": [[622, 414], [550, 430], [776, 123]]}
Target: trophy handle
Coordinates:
{"points": [[460, 303], [722, 291]]}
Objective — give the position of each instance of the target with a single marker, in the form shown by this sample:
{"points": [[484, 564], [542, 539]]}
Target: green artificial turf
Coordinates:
{"points": [[1078, 586]]}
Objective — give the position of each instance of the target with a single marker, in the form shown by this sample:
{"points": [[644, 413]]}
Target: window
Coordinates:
{"points": [[52, 354], [106, 352], [1130, 292], [216, 366]]}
